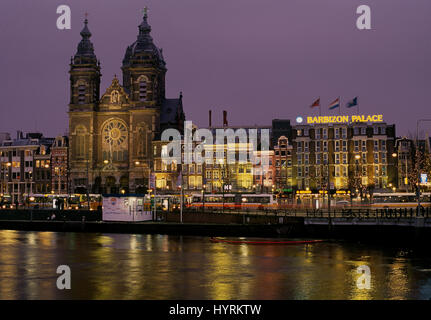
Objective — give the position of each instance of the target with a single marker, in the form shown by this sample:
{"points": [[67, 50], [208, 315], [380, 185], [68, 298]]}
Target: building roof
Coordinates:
{"points": [[85, 53], [171, 111], [143, 48]]}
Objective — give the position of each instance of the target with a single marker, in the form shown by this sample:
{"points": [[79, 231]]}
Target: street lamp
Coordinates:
{"points": [[203, 198]]}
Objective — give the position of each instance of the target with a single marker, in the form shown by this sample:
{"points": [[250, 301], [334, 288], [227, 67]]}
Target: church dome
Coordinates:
{"points": [[85, 53], [143, 50]]}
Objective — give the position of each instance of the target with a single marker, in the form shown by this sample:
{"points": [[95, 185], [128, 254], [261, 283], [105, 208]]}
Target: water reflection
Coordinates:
{"points": [[122, 266]]}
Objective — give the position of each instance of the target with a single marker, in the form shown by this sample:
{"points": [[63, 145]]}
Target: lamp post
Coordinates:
{"points": [[203, 198], [181, 201], [394, 156], [357, 176]]}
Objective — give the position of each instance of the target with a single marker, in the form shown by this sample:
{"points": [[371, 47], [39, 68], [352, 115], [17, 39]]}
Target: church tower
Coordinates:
{"points": [[144, 69], [84, 100], [84, 75]]}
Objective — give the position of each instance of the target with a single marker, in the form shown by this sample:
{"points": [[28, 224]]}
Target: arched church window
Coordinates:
{"points": [[81, 143], [142, 89], [142, 141]]}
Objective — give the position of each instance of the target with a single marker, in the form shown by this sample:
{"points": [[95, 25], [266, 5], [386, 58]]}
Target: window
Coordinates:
{"points": [[344, 146], [383, 145], [364, 145], [363, 130], [306, 159], [376, 158], [337, 133], [344, 158], [364, 158], [299, 159], [299, 132], [382, 130], [305, 132], [317, 146], [325, 133], [143, 89], [383, 170], [299, 146], [318, 158], [364, 171], [325, 146], [337, 171], [317, 133], [344, 171], [337, 146], [376, 171], [299, 172], [325, 158], [356, 131], [306, 146], [376, 145], [337, 158], [81, 93], [375, 130], [306, 172], [344, 133], [356, 145], [383, 157]]}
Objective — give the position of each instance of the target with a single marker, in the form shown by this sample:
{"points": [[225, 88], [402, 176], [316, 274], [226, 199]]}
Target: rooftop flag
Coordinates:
{"points": [[352, 103], [335, 104], [316, 103]]}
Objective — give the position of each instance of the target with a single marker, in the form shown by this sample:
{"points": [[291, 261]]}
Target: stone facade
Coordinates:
{"points": [[111, 137]]}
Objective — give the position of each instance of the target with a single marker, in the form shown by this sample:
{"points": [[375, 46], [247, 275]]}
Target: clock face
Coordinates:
{"points": [[115, 133]]}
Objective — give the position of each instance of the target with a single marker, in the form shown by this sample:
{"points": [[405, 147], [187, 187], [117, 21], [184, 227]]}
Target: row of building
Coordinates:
{"points": [[301, 158]]}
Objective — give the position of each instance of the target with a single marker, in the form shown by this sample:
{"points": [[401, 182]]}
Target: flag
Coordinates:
{"points": [[335, 104], [352, 103], [316, 103]]}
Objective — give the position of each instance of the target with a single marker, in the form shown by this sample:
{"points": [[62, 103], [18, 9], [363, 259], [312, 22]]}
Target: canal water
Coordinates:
{"points": [[127, 266]]}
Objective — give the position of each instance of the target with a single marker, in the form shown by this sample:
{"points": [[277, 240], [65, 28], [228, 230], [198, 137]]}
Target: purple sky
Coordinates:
{"points": [[258, 59]]}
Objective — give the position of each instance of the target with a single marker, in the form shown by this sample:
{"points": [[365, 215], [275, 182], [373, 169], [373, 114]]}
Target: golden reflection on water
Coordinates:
{"points": [[123, 266]]}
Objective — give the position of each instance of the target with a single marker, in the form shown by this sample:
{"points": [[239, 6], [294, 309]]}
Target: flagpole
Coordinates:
{"points": [[339, 106], [320, 108], [357, 105]]}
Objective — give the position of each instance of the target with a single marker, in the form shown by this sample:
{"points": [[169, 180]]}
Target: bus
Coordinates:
{"points": [[233, 201], [62, 201], [400, 200], [79, 201]]}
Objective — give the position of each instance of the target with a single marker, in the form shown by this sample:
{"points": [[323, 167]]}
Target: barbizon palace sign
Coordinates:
{"points": [[345, 119]]}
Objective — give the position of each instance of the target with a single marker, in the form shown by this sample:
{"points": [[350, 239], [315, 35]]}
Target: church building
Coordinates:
{"points": [[112, 135]]}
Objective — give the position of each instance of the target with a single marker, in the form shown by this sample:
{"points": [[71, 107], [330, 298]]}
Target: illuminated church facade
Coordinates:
{"points": [[113, 135]]}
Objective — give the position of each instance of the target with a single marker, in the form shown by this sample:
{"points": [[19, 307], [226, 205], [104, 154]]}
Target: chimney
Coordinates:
{"points": [[224, 118], [209, 118]]}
